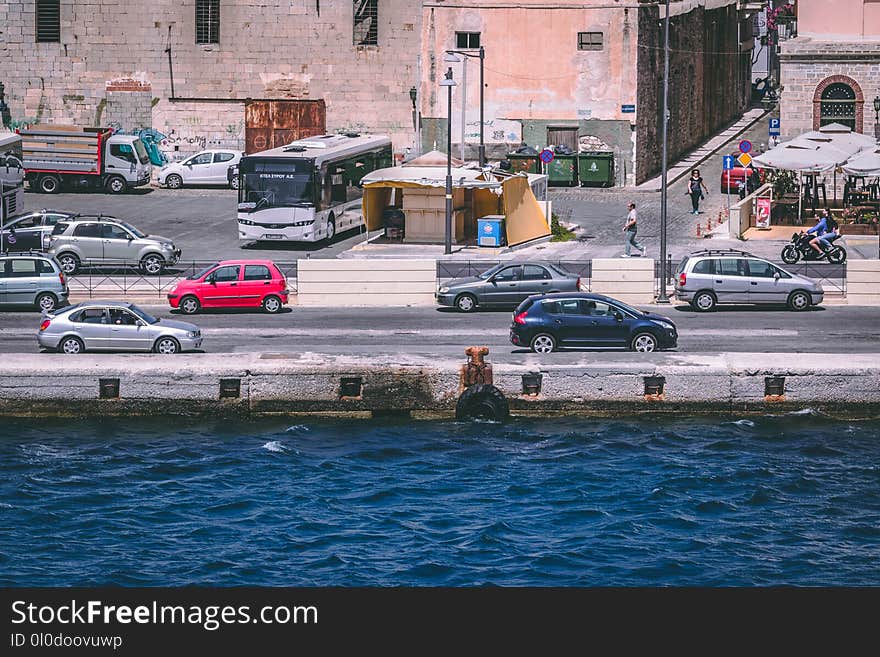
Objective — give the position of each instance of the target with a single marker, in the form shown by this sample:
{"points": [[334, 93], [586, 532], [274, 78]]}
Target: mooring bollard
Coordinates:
{"points": [[480, 399]]}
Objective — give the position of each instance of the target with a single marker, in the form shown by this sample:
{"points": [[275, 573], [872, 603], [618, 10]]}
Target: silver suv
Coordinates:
{"points": [[109, 242], [32, 279], [708, 278]]}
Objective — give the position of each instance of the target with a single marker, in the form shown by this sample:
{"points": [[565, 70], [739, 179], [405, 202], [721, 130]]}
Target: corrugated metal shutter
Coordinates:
{"points": [[48, 21], [207, 21]]}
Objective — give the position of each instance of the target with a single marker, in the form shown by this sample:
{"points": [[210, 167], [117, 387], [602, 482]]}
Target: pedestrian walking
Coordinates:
{"points": [[630, 228], [695, 189]]}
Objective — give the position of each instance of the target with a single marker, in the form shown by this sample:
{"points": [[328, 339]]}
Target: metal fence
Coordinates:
{"points": [[465, 268], [126, 277]]}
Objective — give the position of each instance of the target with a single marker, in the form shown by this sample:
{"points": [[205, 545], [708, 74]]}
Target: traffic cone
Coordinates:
{"points": [[720, 217], [698, 230], [709, 225]]}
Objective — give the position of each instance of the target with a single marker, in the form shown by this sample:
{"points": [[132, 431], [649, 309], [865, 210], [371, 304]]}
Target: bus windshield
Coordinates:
{"points": [[268, 183]]}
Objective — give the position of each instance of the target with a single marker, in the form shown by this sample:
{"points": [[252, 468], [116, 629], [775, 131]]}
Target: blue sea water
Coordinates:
{"points": [[786, 500]]}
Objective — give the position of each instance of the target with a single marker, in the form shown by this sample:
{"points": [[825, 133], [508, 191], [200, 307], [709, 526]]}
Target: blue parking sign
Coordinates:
{"points": [[728, 162], [774, 127]]}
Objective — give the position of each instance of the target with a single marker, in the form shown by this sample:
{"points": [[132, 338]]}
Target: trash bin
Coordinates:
{"points": [[596, 169], [562, 169], [490, 230], [525, 159]]}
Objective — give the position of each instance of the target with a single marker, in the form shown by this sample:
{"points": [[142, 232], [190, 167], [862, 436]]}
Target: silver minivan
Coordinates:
{"points": [[708, 278], [32, 279]]}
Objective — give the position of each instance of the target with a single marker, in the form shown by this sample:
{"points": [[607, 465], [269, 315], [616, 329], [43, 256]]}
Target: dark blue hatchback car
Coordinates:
{"points": [[545, 322]]}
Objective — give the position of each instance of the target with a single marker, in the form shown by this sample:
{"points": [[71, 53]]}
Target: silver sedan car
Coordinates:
{"points": [[114, 326]]}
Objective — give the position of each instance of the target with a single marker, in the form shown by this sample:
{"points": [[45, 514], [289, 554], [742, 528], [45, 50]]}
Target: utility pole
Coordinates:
{"points": [[662, 297]]}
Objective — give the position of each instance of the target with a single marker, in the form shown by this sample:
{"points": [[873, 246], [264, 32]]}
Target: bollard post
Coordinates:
{"points": [[698, 230]]}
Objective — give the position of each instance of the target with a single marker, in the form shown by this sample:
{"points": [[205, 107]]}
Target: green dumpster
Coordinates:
{"points": [[528, 162], [596, 169], [562, 171]]}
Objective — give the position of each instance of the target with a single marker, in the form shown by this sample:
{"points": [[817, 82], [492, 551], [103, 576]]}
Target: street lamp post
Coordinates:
{"points": [[448, 82], [451, 57], [877, 117], [662, 297]]}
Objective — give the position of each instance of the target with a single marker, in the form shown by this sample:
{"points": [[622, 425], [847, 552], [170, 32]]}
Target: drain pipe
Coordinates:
{"points": [[170, 65]]}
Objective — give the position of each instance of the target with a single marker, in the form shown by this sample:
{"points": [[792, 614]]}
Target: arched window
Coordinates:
{"points": [[838, 105]]}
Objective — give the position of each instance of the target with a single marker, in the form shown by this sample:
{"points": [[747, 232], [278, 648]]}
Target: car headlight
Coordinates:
{"points": [[666, 325], [192, 334], [444, 290]]}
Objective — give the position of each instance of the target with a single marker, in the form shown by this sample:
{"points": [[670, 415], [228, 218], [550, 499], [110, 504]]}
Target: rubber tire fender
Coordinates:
{"points": [[482, 401]]}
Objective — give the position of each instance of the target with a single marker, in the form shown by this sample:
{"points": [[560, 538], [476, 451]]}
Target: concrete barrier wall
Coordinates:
{"points": [[629, 279], [366, 282], [741, 212], [863, 282], [612, 383]]}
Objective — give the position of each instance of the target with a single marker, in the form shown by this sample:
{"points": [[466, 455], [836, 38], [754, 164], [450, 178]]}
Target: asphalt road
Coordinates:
{"points": [[440, 332]]}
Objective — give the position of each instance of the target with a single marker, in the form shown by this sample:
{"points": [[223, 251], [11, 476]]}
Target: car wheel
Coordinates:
{"points": [[152, 264], [331, 228], [543, 343], [166, 345], [272, 304], [704, 302], [116, 185], [50, 184], [174, 181], [189, 305], [837, 256], [234, 183], [799, 301], [71, 345], [69, 263], [46, 302], [644, 342], [790, 254], [466, 303]]}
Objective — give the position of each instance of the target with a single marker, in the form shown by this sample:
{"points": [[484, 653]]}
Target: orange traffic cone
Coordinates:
{"points": [[698, 230], [720, 217], [709, 225]]}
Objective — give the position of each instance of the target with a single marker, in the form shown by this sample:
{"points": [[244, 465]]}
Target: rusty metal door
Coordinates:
{"points": [[274, 123], [563, 137]]}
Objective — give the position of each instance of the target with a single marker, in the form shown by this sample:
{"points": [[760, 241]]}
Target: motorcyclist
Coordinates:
{"points": [[824, 230]]}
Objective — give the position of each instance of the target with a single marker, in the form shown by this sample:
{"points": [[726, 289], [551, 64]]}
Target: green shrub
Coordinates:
{"points": [[560, 232]]}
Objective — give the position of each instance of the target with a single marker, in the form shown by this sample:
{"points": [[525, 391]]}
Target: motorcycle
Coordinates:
{"points": [[800, 249]]}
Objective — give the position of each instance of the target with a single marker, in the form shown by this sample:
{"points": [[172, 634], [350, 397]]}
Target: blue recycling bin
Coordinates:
{"points": [[490, 230]]}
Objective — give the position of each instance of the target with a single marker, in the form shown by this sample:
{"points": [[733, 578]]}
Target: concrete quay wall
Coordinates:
{"points": [[251, 384]]}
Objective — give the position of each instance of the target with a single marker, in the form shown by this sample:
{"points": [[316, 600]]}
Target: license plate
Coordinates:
{"points": [[267, 236]]}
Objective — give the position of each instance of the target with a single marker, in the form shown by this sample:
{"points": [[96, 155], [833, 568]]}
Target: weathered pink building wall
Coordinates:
{"points": [[828, 18]]}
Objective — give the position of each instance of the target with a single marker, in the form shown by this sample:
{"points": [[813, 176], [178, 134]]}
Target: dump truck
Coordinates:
{"points": [[72, 156]]}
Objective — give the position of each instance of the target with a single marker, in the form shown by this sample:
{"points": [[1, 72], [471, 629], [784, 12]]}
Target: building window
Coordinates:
{"points": [[838, 105], [589, 41], [366, 18], [207, 21], [48, 21], [464, 40]]}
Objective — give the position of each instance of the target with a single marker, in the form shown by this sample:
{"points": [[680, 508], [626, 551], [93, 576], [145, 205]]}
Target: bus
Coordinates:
{"points": [[308, 190]]}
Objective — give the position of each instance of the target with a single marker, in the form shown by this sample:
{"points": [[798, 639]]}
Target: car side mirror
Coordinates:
{"points": [[130, 238], [618, 316], [777, 275], [141, 323], [211, 280]]}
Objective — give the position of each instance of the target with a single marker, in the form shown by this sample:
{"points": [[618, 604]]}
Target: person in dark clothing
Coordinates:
{"points": [[695, 189]]}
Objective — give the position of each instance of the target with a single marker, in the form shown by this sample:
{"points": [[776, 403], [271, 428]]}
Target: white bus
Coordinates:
{"points": [[308, 190]]}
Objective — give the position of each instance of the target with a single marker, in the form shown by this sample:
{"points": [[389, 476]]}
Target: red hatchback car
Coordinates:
{"points": [[232, 284]]}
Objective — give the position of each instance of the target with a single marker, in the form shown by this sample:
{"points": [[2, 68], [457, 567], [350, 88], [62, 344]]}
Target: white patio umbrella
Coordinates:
{"points": [[866, 163]]}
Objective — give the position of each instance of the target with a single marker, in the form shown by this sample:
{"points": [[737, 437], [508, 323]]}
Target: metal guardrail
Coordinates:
{"points": [[125, 277], [465, 268]]}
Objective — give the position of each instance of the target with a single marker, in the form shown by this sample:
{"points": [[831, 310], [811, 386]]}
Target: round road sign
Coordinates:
{"points": [[745, 146], [546, 156]]}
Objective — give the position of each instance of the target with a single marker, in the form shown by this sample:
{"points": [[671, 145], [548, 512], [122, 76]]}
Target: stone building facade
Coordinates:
{"points": [[831, 71], [116, 62], [592, 69]]}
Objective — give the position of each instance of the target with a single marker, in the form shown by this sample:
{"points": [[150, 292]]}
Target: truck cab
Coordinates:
{"points": [[126, 156]]}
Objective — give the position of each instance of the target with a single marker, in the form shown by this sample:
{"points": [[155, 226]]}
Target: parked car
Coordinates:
{"points": [[205, 168], [506, 285], [232, 284], [547, 322], [114, 326], [737, 175], [708, 278], [24, 232], [32, 279], [107, 241]]}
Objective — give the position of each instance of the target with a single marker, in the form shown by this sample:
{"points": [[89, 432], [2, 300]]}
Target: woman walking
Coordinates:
{"points": [[695, 189]]}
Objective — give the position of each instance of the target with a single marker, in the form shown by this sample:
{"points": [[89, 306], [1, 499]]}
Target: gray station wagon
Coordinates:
{"points": [[708, 278], [506, 285], [114, 326], [32, 279], [109, 242]]}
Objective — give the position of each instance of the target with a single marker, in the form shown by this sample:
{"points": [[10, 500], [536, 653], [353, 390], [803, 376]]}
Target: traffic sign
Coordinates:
{"points": [[727, 162], [546, 156], [745, 146], [745, 159], [774, 127]]}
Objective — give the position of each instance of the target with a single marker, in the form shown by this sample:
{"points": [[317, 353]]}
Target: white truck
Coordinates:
{"points": [[54, 155]]}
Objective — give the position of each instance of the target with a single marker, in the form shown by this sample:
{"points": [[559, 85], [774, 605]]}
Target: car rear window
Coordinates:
{"points": [[551, 307], [60, 227], [257, 273], [88, 230], [704, 267], [525, 305]]}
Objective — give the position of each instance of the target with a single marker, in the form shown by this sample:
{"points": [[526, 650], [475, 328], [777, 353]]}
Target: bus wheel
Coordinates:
{"points": [[331, 228]]}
